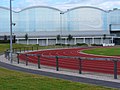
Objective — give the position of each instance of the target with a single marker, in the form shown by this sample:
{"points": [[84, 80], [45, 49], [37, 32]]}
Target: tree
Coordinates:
{"points": [[104, 37], [26, 38], [14, 39], [5, 37], [58, 37], [115, 8], [70, 37]]}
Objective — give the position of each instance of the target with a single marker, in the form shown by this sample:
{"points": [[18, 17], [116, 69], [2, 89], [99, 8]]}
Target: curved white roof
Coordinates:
{"points": [[55, 8]]}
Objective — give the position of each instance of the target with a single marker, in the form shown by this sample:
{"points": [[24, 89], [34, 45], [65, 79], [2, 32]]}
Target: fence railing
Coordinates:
{"points": [[71, 62], [24, 49]]}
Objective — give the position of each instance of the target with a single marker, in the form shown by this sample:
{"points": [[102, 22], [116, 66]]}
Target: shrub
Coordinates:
{"points": [[6, 41], [57, 44], [96, 44], [81, 44]]}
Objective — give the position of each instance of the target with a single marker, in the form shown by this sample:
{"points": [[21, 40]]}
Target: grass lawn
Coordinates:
{"points": [[13, 80], [113, 51], [3, 47]]}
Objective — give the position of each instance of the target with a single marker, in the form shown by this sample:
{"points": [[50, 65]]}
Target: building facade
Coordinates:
{"points": [[86, 24]]}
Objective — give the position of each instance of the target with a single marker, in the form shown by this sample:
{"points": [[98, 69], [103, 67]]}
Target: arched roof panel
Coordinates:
{"points": [[7, 9], [39, 7], [68, 10]]}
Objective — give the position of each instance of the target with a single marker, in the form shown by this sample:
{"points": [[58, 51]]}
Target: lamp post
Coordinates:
{"points": [[11, 31], [61, 22], [61, 26], [68, 19], [110, 26]]}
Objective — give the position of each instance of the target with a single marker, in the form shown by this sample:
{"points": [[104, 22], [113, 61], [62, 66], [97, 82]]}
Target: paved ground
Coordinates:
{"points": [[91, 79]]}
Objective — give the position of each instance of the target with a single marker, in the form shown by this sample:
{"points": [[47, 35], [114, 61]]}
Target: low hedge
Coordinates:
{"points": [[6, 41], [82, 44], [96, 44]]}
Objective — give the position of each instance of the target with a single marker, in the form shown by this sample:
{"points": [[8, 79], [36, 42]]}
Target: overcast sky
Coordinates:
{"points": [[62, 4]]}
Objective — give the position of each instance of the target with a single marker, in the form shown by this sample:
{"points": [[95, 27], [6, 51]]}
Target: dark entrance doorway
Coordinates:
{"points": [[116, 41]]}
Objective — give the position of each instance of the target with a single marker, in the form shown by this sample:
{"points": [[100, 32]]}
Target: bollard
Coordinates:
{"points": [[26, 60], [39, 61], [115, 69], [80, 66], [57, 64], [18, 57]]}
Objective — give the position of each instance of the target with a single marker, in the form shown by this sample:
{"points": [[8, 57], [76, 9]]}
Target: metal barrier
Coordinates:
{"points": [[60, 61], [24, 49], [57, 63]]}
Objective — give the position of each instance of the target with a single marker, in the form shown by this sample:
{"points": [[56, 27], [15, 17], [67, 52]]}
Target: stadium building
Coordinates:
{"points": [[43, 24]]}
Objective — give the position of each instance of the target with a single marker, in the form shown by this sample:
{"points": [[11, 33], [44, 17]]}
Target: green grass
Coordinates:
{"points": [[3, 47], [114, 51], [13, 80]]}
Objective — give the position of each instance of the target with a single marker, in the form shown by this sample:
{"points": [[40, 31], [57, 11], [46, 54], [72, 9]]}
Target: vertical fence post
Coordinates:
{"points": [[18, 57], [13, 50], [27, 49], [16, 49], [37, 48], [32, 48], [8, 54], [57, 64], [115, 69], [39, 61], [5, 54], [24, 49], [20, 49], [80, 66], [26, 60]]}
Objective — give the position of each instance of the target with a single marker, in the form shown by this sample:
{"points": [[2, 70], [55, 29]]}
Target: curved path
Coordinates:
{"points": [[97, 65], [62, 76]]}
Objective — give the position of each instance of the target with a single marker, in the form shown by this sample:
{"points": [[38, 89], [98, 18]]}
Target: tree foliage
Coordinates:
{"points": [[14, 39], [26, 36], [5, 37], [58, 37], [104, 36], [70, 37]]}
